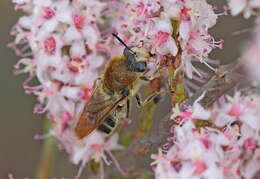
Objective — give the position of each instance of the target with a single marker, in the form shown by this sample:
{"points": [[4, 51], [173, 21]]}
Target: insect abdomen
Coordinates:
{"points": [[108, 125]]}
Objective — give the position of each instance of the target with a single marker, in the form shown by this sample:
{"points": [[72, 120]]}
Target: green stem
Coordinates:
{"points": [[48, 156]]}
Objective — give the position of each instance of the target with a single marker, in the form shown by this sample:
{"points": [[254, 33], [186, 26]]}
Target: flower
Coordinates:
{"points": [[196, 18]]}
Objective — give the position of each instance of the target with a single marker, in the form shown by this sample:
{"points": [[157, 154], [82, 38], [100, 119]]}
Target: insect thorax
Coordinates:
{"points": [[119, 75]]}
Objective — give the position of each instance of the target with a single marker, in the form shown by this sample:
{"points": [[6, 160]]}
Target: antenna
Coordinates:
{"points": [[120, 40]]}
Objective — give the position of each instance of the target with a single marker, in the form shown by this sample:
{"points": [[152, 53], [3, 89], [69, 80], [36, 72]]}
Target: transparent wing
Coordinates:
{"points": [[95, 112]]}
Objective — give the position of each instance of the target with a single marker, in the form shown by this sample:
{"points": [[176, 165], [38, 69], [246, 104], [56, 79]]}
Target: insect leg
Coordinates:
{"points": [[144, 78], [127, 108], [141, 102], [156, 97]]}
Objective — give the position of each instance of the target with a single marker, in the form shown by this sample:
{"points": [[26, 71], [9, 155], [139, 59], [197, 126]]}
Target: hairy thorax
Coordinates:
{"points": [[119, 76]]}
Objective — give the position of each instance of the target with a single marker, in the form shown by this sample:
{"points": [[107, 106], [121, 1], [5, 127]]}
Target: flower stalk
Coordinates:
{"points": [[48, 156]]}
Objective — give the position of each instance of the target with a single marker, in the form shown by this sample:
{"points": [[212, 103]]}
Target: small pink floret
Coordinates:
{"points": [[48, 13], [177, 166], [229, 135], [205, 142], [185, 14], [161, 37], [249, 144], [185, 115], [194, 35], [227, 171], [73, 65], [140, 9], [50, 46], [66, 117], [79, 21], [200, 167], [85, 94], [97, 147], [48, 91], [234, 111]]}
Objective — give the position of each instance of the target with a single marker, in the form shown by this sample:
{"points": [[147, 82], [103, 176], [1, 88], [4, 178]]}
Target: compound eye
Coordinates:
{"points": [[129, 55], [140, 66]]}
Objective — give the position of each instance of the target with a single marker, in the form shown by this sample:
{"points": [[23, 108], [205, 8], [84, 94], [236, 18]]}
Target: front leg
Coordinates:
{"points": [[124, 109], [127, 108], [155, 96], [144, 78]]}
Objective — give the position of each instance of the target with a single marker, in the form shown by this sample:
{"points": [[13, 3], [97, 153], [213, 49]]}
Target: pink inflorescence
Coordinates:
{"points": [[155, 24], [64, 44], [228, 148], [251, 55], [61, 46]]}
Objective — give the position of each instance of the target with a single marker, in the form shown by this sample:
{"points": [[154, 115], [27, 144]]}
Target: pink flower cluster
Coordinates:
{"points": [[170, 27], [245, 7], [64, 44], [252, 53], [60, 44], [229, 147]]}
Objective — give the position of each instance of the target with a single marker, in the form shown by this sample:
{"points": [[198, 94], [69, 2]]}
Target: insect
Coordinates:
{"points": [[112, 91]]}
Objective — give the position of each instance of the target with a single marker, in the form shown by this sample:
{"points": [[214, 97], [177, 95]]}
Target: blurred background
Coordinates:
{"points": [[19, 152]]}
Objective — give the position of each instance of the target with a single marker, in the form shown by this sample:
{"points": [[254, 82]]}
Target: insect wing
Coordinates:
{"points": [[89, 120], [95, 112]]}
